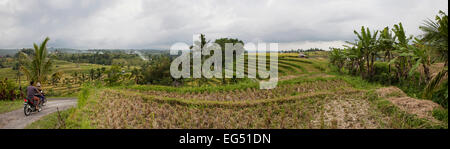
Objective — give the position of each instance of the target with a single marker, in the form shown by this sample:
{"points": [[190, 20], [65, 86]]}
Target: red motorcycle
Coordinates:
{"points": [[29, 106]]}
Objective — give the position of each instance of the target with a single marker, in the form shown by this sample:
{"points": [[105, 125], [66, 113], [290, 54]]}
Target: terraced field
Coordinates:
{"points": [[306, 97], [61, 89]]}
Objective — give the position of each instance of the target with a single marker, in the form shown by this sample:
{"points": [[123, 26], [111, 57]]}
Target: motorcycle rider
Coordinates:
{"points": [[41, 96], [31, 95]]}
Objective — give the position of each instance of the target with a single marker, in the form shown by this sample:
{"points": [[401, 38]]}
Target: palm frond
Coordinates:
{"points": [[435, 83]]}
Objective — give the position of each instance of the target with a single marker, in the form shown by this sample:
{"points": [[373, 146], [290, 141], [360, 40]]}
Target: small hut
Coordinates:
{"points": [[301, 55]]}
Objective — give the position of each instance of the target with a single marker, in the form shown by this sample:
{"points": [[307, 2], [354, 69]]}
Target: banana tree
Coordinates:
{"points": [[402, 51], [367, 43], [386, 44], [422, 57], [354, 55], [337, 57]]}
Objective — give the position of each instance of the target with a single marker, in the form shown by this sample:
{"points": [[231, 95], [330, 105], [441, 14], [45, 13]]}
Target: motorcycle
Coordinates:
{"points": [[29, 107]]}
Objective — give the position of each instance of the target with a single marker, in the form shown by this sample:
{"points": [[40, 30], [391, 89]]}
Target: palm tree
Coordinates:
{"points": [[436, 34], [38, 66]]}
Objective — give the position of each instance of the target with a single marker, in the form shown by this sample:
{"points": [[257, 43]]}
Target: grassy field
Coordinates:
{"points": [[308, 95], [7, 106], [51, 121]]}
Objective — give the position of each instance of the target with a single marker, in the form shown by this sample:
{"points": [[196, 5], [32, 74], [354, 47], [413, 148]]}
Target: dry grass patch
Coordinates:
{"points": [[421, 108]]}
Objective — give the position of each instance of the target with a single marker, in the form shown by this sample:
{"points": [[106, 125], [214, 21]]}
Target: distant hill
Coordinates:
{"points": [[11, 52]]}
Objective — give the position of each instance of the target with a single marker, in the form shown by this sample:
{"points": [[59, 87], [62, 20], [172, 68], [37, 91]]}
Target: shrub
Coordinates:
{"points": [[8, 90], [382, 74], [157, 71], [441, 114], [441, 95]]}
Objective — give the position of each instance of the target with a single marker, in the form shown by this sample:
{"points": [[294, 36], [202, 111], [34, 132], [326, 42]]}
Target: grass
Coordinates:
{"points": [[51, 121], [441, 114], [402, 119], [8, 106]]}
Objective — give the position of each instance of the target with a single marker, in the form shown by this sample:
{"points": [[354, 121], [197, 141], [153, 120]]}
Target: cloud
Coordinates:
{"points": [[161, 23]]}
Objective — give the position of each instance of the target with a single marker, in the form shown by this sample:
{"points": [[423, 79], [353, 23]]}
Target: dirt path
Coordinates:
{"points": [[17, 119]]}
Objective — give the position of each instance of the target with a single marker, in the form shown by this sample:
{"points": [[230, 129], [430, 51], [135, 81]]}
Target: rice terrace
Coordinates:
{"points": [[383, 79]]}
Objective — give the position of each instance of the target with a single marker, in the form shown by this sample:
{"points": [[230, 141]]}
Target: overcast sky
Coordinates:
{"points": [[160, 23]]}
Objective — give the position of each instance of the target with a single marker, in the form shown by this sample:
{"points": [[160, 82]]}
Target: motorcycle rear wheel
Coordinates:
{"points": [[27, 110]]}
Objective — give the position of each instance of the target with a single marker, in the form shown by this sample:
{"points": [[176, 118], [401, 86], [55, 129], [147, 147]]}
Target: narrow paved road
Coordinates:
{"points": [[17, 119]]}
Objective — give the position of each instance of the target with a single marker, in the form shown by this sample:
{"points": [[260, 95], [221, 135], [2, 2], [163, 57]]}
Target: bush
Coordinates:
{"points": [[114, 74], [157, 71], [441, 114], [8, 90], [441, 95], [382, 74]]}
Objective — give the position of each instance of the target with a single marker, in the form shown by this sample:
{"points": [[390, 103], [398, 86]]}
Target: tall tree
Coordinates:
{"points": [[222, 42], [38, 66], [436, 34]]}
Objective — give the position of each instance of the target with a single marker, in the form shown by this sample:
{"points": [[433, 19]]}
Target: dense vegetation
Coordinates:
{"points": [[102, 57], [389, 56]]}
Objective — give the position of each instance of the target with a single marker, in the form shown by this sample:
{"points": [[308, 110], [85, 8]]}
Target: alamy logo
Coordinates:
{"points": [[208, 61]]}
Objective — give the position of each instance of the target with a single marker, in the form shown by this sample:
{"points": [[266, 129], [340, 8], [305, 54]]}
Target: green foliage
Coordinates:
{"points": [[367, 44], [83, 96], [39, 65], [114, 75], [8, 90], [338, 58], [436, 34], [222, 42], [440, 96], [201, 89], [381, 73], [157, 71], [52, 121], [400, 118], [8, 105], [441, 114], [401, 59], [102, 57]]}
